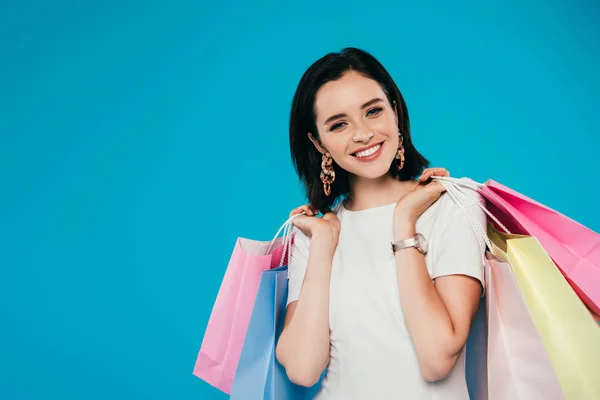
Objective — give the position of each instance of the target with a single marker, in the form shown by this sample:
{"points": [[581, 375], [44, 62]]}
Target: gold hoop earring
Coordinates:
{"points": [[327, 173], [400, 153]]}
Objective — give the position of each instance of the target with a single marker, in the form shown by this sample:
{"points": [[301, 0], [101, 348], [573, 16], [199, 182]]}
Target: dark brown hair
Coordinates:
{"points": [[306, 158]]}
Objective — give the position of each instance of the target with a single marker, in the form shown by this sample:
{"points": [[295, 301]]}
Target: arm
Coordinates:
{"points": [[439, 309], [438, 316], [303, 347]]}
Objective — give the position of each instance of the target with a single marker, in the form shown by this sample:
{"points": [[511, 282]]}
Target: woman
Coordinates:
{"points": [[387, 322]]}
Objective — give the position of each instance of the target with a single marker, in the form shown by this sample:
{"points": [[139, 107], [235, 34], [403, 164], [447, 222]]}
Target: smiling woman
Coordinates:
{"points": [[358, 106], [387, 322]]}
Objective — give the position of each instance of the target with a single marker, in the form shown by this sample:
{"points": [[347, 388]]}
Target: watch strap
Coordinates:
{"points": [[404, 244]]}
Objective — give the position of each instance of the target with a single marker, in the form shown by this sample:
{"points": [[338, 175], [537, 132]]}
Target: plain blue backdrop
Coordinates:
{"points": [[139, 139]]}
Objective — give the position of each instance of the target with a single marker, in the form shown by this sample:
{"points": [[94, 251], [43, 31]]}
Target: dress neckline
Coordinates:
{"points": [[366, 210]]}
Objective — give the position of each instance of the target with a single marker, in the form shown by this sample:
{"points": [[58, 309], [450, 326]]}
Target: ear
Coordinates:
{"points": [[320, 148], [396, 112]]}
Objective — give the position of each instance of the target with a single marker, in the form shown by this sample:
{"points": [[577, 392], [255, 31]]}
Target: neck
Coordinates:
{"points": [[369, 193]]}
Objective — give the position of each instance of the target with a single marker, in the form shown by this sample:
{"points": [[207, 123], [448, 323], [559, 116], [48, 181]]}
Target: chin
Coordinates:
{"points": [[373, 171]]}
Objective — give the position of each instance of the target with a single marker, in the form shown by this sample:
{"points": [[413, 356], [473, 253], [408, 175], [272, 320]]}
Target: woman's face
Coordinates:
{"points": [[357, 125]]}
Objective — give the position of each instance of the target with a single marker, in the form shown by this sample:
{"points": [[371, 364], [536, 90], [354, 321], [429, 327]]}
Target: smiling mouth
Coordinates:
{"points": [[368, 152]]}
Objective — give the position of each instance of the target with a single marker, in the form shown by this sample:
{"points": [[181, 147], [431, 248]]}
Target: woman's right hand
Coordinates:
{"points": [[310, 225]]}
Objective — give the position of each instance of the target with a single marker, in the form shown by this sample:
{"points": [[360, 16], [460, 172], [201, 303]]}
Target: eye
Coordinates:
{"points": [[336, 126], [374, 111]]}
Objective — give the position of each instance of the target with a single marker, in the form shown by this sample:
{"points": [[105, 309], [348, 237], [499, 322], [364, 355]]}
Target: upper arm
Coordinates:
{"points": [[461, 296], [458, 270], [297, 265], [289, 313]]}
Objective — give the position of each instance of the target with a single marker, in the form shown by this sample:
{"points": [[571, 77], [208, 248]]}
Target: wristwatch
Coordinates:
{"points": [[418, 241]]}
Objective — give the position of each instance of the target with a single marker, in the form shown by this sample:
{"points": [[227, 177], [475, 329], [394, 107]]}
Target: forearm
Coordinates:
{"points": [[427, 319], [303, 347]]}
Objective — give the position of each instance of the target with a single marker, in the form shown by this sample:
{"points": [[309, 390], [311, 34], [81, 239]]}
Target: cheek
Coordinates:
{"points": [[387, 126], [337, 147], [339, 154]]}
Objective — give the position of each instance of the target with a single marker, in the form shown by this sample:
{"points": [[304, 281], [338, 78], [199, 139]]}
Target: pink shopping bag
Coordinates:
{"points": [[518, 365], [572, 246], [224, 337], [541, 343]]}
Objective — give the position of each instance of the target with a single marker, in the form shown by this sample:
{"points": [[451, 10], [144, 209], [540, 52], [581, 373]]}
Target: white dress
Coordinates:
{"points": [[371, 355]]}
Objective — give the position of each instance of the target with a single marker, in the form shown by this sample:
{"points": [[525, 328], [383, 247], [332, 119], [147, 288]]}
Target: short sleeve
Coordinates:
{"points": [[458, 250], [297, 265]]}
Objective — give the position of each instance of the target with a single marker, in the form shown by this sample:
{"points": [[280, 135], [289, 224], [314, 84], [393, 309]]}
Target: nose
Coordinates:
{"points": [[362, 135]]}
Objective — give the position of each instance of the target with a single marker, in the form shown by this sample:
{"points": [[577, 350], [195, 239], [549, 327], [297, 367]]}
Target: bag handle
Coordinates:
{"points": [[456, 190], [288, 231]]}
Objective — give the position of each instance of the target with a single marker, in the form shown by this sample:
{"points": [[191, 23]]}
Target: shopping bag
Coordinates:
{"points": [[574, 248], [568, 334], [476, 355], [505, 355], [570, 337], [518, 365], [219, 354], [259, 375]]}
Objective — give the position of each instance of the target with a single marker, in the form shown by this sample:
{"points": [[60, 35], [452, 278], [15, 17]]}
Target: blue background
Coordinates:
{"points": [[139, 139]]}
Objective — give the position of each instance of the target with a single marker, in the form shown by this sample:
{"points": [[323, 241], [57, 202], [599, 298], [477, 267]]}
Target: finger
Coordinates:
{"points": [[429, 172], [302, 209], [426, 175], [300, 217], [435, 170], [296, 211], [305, 209], [441, 172], [308, 210]]}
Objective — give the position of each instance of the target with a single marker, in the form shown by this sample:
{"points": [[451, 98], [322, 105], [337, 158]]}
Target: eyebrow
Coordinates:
{"points": [[367, 104]]}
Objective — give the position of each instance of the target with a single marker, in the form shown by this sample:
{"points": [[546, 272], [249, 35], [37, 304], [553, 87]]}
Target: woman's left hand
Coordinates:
{"points": [[414, 203]]}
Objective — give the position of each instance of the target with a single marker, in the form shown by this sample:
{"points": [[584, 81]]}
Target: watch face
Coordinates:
{"points": [[421, 243]]}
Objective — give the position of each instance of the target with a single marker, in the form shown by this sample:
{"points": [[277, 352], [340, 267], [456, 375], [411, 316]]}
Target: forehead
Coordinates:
{"points": [[349, 92]]}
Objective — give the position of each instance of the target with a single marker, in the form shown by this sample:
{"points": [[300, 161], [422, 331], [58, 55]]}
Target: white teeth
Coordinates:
{"points": [[368, 152]]}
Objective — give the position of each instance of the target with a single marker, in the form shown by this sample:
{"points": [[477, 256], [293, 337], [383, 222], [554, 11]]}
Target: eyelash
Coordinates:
{"points": [[378, 109]]}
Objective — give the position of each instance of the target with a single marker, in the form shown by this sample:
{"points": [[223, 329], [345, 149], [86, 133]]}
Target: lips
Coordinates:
{"points": [[366, 152], [369, 154]]}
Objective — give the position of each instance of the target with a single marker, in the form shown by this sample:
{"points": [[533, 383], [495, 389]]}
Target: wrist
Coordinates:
{"points": [[404, 229], [324, 240], [403, 215]]}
